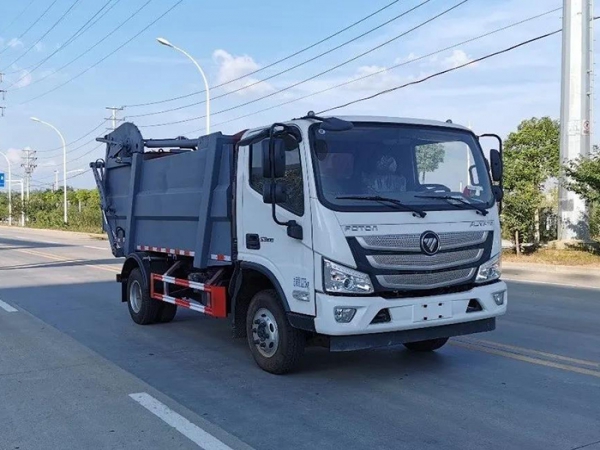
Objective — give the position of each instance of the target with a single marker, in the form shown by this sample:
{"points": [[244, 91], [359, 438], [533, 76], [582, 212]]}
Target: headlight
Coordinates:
{"points": [[343, 280], [489, 271]]}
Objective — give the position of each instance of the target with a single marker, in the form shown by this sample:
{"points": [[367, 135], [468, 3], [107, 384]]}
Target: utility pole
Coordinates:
{"points": [[576, 111], [55, 186], [113, 116], [28, 166]]}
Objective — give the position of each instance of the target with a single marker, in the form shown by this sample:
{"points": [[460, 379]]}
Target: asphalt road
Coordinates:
{"points": [[76, 372]]}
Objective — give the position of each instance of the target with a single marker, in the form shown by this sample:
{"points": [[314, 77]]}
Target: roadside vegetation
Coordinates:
{"points": [[45, 210], [530, 216]]}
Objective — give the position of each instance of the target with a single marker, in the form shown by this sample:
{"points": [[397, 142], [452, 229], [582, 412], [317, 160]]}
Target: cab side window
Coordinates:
{"points": [[293, 178]]}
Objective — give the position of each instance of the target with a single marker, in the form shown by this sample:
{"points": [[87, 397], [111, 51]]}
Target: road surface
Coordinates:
{"points": [[76, 372]]}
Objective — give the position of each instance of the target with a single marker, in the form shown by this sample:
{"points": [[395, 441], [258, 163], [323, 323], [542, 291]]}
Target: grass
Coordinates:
{"points": [[555, 257]]}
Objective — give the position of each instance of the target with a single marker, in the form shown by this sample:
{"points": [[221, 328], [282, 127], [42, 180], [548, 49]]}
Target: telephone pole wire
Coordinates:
{"points": [[28, 166], [113, 116]]}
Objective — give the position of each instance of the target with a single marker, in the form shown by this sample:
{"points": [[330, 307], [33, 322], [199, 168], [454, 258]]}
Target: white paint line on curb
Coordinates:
{"points": [[6, 307], [191, 431], [577, 286]]}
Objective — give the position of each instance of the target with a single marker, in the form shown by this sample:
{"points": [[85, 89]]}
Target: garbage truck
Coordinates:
{"points": [[345, 232]]}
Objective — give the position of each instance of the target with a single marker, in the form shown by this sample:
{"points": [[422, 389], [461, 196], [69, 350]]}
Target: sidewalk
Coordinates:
{"points": [[582, 276]]}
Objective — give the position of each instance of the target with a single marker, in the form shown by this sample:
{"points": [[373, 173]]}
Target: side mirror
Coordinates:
{"points": [[278, 160], [274, 192], [498, 193], [496, 165]]}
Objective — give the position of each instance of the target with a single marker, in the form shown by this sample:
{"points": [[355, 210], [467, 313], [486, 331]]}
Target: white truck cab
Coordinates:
{"points": [[375, 230]]}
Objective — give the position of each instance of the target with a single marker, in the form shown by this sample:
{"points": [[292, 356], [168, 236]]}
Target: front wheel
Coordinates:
{"points": [[426, 346], [276, 346]]}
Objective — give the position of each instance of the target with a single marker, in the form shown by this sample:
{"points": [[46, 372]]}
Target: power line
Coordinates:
{"points": [[32, 25], [17, 17], [248, 86], [108, 35], [105, 57], [386, 69], [443, 72], [76, 140], [54, 25], [82, 30], [389, 41], [331, 36]]}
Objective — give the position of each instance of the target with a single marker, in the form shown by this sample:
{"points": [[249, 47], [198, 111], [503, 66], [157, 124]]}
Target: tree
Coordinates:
{"points": [[584, 179], [429, 158], [531, 157]]}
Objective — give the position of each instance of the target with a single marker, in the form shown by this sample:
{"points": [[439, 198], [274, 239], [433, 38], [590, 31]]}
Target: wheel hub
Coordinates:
{"points": [[135, 296], [265, 333]]}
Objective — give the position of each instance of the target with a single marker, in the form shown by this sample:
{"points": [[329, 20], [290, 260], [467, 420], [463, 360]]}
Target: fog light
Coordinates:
{"points": [[499, 297], [343, 315]]}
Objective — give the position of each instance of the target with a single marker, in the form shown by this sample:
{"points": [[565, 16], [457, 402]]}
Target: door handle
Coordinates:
{"points": [[252, 241]]}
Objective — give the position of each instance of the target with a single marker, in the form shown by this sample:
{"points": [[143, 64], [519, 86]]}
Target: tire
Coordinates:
{"points": [[143, 309], [426, 346], [283, 345], [166, 312]]}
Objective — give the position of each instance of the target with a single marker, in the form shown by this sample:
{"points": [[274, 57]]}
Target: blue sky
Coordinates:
{"points": [[232, 38]]}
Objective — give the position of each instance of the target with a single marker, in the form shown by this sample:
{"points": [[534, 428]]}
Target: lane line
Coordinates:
{"points": [[97, 248], [577, 286], [6, 307], [492, 344], [55, 258], [191, 431], [529, 359]]}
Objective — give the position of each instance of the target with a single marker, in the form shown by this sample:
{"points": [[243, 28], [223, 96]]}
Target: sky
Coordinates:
{"points": [[115, 60]]}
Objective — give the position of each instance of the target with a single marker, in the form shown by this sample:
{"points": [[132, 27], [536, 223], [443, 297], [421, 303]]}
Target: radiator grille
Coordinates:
{"points": [[425, 280]]}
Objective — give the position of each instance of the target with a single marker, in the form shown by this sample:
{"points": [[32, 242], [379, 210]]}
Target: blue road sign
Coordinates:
{"points": [[1, 179]]}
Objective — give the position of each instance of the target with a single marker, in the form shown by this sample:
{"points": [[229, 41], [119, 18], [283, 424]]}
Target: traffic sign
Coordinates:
{"points": [[1, 179]]}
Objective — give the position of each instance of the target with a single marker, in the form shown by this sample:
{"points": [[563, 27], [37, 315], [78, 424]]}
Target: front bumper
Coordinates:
{"points": [[408, 313]]}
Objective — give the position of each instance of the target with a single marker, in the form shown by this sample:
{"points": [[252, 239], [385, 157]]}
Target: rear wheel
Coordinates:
{"points": [[276, 346], [426, 346], [143, 309], [166, 312]]}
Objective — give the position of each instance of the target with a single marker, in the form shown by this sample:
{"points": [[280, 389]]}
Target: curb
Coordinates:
{"points": [[581, 276], [51, 230]]}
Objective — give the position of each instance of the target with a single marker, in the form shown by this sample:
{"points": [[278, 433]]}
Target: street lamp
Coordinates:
{"points": [[9, 189], [163, 41], [64, 145]]}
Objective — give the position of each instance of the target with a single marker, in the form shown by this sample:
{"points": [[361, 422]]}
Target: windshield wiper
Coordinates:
{"points": [[377, 198], [479, 209]]}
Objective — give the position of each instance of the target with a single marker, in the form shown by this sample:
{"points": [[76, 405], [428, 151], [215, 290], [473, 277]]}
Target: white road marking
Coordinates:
{"points": [[578, 286], [6, 307], [96, 248], [191, 431]]}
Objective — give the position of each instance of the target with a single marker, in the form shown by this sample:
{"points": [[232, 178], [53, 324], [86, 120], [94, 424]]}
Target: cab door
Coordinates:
{"points": [[267, 244]]}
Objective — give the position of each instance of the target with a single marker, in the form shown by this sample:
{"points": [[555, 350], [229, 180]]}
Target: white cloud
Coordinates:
{"points": [[39, 47], [457, 58], [232, 67], [14, 155], [14, 43], [24, 79]]}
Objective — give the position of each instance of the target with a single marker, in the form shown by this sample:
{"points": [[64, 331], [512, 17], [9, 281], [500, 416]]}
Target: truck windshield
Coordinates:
{"points": [[420, 166]]}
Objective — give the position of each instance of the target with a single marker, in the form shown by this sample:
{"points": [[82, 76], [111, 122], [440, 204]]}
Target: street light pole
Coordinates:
{"points": [[9, 189], [64, 145], [163, 41]]}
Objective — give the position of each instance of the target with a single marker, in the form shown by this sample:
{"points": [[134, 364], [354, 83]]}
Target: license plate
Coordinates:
{"points": [[427, 312]]}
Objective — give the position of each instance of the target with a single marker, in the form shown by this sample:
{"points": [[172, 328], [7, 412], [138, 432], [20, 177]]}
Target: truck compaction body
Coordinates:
{"points": [[348, 232]]}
